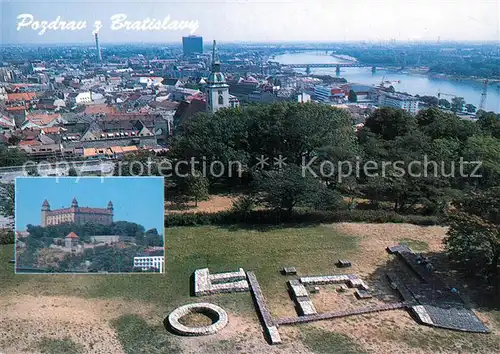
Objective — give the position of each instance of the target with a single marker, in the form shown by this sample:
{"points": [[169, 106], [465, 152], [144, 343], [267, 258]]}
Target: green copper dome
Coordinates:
{"points": [[216, 78]]}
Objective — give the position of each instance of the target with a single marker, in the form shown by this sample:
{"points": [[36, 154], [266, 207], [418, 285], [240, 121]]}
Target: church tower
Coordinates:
{"points": [[217, 89], [45, 209]]}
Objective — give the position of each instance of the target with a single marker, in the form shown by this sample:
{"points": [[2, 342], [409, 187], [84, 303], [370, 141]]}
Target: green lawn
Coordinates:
{"points": [[313, 250], [59, 346], [415, 245], [321, 341], [137, 337]]}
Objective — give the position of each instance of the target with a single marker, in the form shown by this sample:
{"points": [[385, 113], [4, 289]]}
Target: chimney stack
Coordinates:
{"points": [[98, 48]]}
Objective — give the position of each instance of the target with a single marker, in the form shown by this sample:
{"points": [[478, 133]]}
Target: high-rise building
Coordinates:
{"points": [[192, 45]]}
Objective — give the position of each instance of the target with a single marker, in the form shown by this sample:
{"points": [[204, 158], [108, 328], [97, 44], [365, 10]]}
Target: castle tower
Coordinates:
{"points": [[111, 209], [45, 209], [75, 216], [217, 89], [71, 241]]}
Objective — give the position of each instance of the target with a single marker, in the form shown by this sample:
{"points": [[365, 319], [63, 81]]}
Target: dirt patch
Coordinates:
{"points": [[241, 335], [215, 204], [374, 239], [27, 320], [195, 319]]}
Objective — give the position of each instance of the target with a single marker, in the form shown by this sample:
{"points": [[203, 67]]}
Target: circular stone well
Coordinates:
{"points": [[216, 313]]}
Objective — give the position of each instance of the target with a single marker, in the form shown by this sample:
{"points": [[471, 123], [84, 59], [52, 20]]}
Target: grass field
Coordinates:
{"points": [[126, 312], [264, 251]]}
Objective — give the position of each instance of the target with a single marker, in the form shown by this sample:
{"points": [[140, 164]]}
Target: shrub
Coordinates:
{"points": [[271, 217], [7, 237]]}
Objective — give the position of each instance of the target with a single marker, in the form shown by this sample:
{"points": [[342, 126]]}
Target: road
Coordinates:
{"points": [[9, 174]]}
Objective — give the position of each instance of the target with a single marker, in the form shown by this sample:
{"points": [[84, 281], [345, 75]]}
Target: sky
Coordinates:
{"points": [[138, 200], [262, 20]]}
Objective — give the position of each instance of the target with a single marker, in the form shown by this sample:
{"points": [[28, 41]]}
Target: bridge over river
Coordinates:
{"points": [[325, 65]]}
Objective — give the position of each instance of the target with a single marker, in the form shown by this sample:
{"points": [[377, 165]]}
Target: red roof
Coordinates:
{"points": [[59, 211], [94, 210], [101, 108], [42, 119], [72, 235], [18, 108], [29, 142], [24, 96]]}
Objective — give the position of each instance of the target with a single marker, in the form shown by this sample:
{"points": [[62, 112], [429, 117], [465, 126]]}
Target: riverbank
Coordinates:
{"points": [[425, 71], [414, 80]]}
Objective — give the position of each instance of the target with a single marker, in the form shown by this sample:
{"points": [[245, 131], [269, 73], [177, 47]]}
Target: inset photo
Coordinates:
{"points": [[89, 225]]}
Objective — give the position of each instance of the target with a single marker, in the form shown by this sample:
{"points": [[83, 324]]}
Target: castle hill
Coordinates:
{"points": [[85, 238]]}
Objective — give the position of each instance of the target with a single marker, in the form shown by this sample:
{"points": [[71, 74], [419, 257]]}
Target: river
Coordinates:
{"points": [[411, 83]]}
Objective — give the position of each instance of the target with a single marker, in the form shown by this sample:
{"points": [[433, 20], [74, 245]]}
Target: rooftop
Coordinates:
{"points": [[72, 235]]}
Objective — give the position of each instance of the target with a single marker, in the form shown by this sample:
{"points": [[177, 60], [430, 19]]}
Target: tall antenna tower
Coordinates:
{"points": [[484, 94]]}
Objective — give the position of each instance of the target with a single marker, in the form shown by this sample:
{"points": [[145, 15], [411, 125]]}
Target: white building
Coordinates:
{"points": [[3, 93], [328, 94], [109, 239], [303, 97], [397, 100], [6, 123], [322, 93], [147, 262], [80, 98]]}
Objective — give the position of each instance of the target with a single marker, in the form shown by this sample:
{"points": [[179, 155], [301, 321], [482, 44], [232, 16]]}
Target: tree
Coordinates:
{"points": [[353, 97], [388, 123], [489, 122], [470, 108], [290, 187], [7, 237], [7, 194], [142, 163], [294, 131], [457, 104], [153, 239], [32, 171], [389, 141], [438, 124], [197, 187], [444, 103], [11, 157], [473, 239], [72, 172], [14, 140], [431, 101], [483, 149]]}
